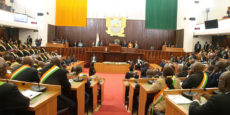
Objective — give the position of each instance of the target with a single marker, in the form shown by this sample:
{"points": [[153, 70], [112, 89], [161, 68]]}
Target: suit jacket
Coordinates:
{"points": [[216, 105], [2, 48], [214, 78], [29, 75], [129, 75], [197, 47], [206, 47], [143, 71], [20, 53], [58, 78], [11, 99], [182, 74], [193, 81]]}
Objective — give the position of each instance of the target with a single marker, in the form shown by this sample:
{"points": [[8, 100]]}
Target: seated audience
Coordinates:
{"points": [[217, 104], [25, 72]]}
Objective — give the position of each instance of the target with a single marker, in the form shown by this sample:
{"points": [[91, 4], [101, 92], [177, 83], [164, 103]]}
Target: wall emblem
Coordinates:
{"points": [[116, 26]]}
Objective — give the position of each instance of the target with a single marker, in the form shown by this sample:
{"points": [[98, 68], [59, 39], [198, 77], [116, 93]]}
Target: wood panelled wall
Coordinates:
{"points": [[8, 33], [135, 31]]}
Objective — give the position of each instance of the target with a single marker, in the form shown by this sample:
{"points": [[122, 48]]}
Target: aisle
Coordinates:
{"points": [[113, 104]]}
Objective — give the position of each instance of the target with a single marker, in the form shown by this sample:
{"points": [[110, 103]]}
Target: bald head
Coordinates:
{"points": [[28, 61], [224, 82], [197, 67], [55, 61], [41, 64]]}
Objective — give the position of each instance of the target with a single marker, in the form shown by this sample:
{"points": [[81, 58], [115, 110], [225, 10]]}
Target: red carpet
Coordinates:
{"points": [[113, 104]]}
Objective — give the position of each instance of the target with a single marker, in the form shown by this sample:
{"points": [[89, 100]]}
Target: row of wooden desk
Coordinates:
{"points": [[79, 87], [171, 107], [43, 104]]}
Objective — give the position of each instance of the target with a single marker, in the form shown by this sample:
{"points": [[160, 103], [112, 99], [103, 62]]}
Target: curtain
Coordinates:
{"points": [[71, 13], [161, 14]]}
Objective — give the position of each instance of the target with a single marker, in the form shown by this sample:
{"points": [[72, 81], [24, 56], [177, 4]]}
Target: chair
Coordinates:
{"points": [[64, 111]]}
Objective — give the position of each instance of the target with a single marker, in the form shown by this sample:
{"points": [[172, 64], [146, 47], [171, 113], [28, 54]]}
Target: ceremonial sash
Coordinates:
{"points": [[14, 64], [14, 54], [203, 82], [48, 73], [9, 46], [8, 62], [45, 57], [19, 70], [1, 83], [39, 68], [3, 47], [41, 58], [27, 51], [15, 47], [159, 96], [21, 52]]}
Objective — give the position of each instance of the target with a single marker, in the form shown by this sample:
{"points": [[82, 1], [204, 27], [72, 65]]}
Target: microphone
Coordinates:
{"points": [[38, 88]]}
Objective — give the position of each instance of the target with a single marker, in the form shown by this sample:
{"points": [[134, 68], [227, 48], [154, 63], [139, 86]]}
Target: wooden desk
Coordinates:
{"points": [[94, 91], [125, 83], [144, 91], [178, 109], [113, 56], [80, 63], [79, 88], [131, 95], [111, 68], [172, 49], [44, 104], [102, 83], [55, 45], [132, 84]]}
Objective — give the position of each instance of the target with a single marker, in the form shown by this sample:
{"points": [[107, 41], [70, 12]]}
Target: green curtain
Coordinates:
{"points": [[161, 14]]}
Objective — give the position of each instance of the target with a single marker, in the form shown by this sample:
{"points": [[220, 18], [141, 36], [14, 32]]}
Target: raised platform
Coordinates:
{"points": [[112, 67]]}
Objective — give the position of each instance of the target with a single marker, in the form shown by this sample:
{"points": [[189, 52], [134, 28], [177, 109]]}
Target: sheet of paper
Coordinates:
{"points": [[179, 99], [30, 94]]}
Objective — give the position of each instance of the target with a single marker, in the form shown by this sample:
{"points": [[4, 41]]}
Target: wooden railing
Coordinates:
{"points": [[152, 56]]}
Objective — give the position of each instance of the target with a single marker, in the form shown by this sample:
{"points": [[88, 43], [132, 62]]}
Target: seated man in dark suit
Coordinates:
{"points": [[182, 71], [144, 69], [25, 72], [218, 70], [139, 63], [54, 74], [129, 74], [197, 78], [217, 104], [11, 99]]}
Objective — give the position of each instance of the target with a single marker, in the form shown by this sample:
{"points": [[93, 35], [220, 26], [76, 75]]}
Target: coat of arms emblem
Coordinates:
{"points": [[116, 26]]}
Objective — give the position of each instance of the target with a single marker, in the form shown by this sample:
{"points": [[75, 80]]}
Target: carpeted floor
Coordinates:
{"points": [[113, 104]]}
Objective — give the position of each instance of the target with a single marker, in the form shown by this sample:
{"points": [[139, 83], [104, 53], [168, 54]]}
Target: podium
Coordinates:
{"points": [[114, 48]]}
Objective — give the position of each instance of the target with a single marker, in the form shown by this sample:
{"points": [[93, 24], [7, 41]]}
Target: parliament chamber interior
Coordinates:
{"points": [[114, 57]]}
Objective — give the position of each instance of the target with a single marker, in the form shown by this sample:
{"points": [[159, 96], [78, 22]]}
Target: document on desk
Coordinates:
{"points": [[30, 94], [179, 99]]}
